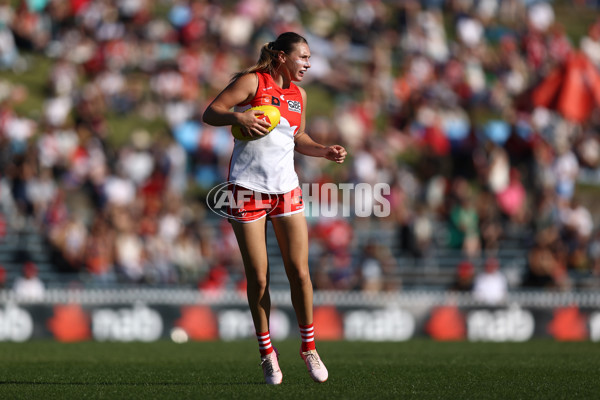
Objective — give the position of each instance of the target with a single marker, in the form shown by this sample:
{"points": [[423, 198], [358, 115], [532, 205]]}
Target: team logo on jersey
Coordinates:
{"points": [[294, 106]]}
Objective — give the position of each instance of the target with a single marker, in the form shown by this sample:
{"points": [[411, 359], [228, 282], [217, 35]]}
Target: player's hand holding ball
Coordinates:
{"points": [[256, 122]]}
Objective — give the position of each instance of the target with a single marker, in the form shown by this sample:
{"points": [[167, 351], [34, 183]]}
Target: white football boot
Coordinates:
{"points": [[315, 366], [270, 367]]}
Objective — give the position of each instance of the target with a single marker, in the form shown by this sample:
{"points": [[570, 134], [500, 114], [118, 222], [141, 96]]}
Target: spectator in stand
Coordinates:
{"points": [[490, 221], [41, 189], [464, 221], [566, 169], [463, 280], [130, 255], [422, 231], [594, 254], [490, 286], [545, 268], [9, 53], [99, 254], [590, 44], [187, 257], [2, 277], [376, 269], [2, 226], [577, 229], [512, 200], [29, 286], [69, 238]]}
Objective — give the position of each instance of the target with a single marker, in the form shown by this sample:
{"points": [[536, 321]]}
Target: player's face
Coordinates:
{"points": [[298, 61]]}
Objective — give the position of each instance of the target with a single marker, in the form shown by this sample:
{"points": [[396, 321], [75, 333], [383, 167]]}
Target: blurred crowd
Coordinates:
{"points": [[433, 98]]}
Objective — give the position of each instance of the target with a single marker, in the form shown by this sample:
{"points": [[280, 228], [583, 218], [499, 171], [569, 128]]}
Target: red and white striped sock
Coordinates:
{"points": [[307, 332], [264, 343]]}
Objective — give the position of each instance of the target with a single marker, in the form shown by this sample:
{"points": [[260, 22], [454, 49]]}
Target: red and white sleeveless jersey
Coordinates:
{"points": [[267, 164]]}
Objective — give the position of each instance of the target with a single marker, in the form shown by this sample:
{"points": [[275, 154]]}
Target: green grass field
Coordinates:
{"points": [[419, 369]]}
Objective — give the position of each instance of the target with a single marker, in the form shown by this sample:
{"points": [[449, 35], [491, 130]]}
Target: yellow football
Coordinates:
{"points": [[270, 114]]}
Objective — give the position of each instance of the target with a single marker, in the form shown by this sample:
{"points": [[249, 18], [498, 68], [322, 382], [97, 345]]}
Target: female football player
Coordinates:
{"points": [[263, 168]]}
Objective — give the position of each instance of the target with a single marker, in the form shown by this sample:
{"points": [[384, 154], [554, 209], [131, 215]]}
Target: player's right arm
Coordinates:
{"points": [[240, 91]]}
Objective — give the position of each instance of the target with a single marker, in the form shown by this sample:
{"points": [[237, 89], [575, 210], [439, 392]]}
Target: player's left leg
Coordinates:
{"points": [[292, 236]]}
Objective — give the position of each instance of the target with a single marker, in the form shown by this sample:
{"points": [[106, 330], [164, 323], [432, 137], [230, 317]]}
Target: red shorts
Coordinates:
{"points": [[250, 205]]}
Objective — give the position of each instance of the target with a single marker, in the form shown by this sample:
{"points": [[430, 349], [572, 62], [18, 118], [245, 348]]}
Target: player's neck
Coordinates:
{"points": [[281, 80]]}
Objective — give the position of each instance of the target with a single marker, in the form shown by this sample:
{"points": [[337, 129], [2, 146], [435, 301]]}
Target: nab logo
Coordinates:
{"points": [[294, 106], [275, 101]]}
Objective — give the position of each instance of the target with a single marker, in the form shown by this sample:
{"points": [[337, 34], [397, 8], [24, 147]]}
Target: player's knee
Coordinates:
{"points": [[257, 283], [300, 276]]}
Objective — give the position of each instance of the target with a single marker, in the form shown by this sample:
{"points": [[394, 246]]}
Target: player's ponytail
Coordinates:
{"points": [[269, 52]]}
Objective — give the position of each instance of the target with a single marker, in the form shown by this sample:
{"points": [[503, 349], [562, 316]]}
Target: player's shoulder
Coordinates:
{"points": [[246, 84], [301, 90], [249, 78], [302, 93]]}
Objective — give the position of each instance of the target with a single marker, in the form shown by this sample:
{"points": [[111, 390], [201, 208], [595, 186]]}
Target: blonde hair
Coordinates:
{"points": [[267, 62], [269, 53]]}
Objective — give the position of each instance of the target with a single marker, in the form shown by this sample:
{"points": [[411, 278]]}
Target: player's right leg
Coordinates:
{"points": [[251, 238]]}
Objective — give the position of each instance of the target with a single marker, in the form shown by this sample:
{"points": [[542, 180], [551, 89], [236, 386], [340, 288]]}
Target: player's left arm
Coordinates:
{"points": [[305, 145]]}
